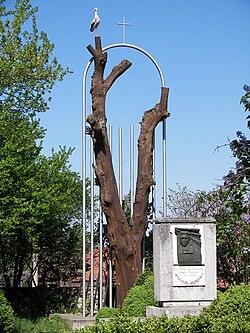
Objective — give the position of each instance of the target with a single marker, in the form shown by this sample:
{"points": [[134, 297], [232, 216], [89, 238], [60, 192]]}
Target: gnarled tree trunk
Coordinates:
{"points": [[125, 238]]}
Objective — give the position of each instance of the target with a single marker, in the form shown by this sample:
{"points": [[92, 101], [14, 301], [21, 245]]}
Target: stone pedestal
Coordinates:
{"points": [[184, 265]]}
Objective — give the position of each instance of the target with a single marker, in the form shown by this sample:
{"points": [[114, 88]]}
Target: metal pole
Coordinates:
{"points": [[120, 165], [164, 168], [84, 188], [92, 231], [100, 258], [154, 185], [110, 253], [83, 213], [131, 170], [143, 255], [110, 138]]}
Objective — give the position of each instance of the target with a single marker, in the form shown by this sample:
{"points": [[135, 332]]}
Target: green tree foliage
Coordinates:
{"points": [[18, 155], [40, 197], [58, 211], [40, 206], [27, 72], [6, 315]]}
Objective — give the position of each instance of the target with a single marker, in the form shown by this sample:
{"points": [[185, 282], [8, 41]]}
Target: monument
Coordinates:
{"points": [[184, 265]]}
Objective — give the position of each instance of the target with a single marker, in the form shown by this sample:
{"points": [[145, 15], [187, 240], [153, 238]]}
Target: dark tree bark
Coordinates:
{"points": [[125, 238]]}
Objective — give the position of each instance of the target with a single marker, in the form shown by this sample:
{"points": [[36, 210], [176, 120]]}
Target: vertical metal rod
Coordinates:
{"points": [[83, 207], [143, 255], [131, 170], [110, 138], [120, 165], [110, 253], [154, 177], [84, 189], [101, 257], [164, 168], [92, 230]]}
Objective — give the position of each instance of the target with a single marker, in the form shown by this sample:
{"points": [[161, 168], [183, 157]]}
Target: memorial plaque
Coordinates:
{"points": [[188, 246], [188, 276]]}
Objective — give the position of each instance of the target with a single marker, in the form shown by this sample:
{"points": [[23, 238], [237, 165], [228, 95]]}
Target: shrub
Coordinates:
{"points": [[230, 312], [142, 277], [149, 325], [107, 312], [6, 315], [139, 297], [120, 324]]}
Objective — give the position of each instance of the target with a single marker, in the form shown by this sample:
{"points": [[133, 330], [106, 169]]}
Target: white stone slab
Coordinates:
{"points": [[193, 286], [188, 276], [175, 310]]}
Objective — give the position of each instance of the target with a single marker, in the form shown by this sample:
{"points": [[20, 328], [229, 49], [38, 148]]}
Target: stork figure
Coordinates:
{"points": [[95, 22]]}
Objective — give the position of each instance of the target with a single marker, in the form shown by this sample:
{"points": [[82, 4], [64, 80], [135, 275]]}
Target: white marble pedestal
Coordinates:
{"points": [[183, 289]]}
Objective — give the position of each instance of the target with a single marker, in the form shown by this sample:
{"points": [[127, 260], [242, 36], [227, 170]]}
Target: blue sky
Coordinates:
{"points": [[203, 49]]}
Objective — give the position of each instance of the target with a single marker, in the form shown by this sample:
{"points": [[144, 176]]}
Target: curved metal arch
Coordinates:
{"points": [[142, 51], [112, 46], [84, 148]]}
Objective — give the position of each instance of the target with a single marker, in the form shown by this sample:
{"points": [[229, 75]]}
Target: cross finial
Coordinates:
{"points": [[124, 25]]}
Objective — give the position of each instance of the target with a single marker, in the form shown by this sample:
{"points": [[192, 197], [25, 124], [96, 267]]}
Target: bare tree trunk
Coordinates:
{"points": [[125, 238]]}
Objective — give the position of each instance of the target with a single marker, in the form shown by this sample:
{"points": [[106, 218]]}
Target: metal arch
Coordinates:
{"points": [[142, 51], [132, 47], [84, 150]]}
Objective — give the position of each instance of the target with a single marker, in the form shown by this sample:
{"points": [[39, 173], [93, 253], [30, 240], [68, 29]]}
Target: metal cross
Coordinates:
{"points": [[124, 25]]}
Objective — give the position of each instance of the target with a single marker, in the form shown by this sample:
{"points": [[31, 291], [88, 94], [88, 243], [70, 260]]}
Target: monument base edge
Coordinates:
{"points": [[178, 309]]}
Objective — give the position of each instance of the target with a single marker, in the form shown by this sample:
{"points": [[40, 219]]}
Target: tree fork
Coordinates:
{"points": [[125, 239]]}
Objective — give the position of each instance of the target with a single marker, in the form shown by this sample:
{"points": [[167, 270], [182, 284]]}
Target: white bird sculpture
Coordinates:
{"points": [[95, 22]]}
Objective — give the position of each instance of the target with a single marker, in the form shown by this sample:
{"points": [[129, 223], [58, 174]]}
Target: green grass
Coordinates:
{"points": [[53, 324]]}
